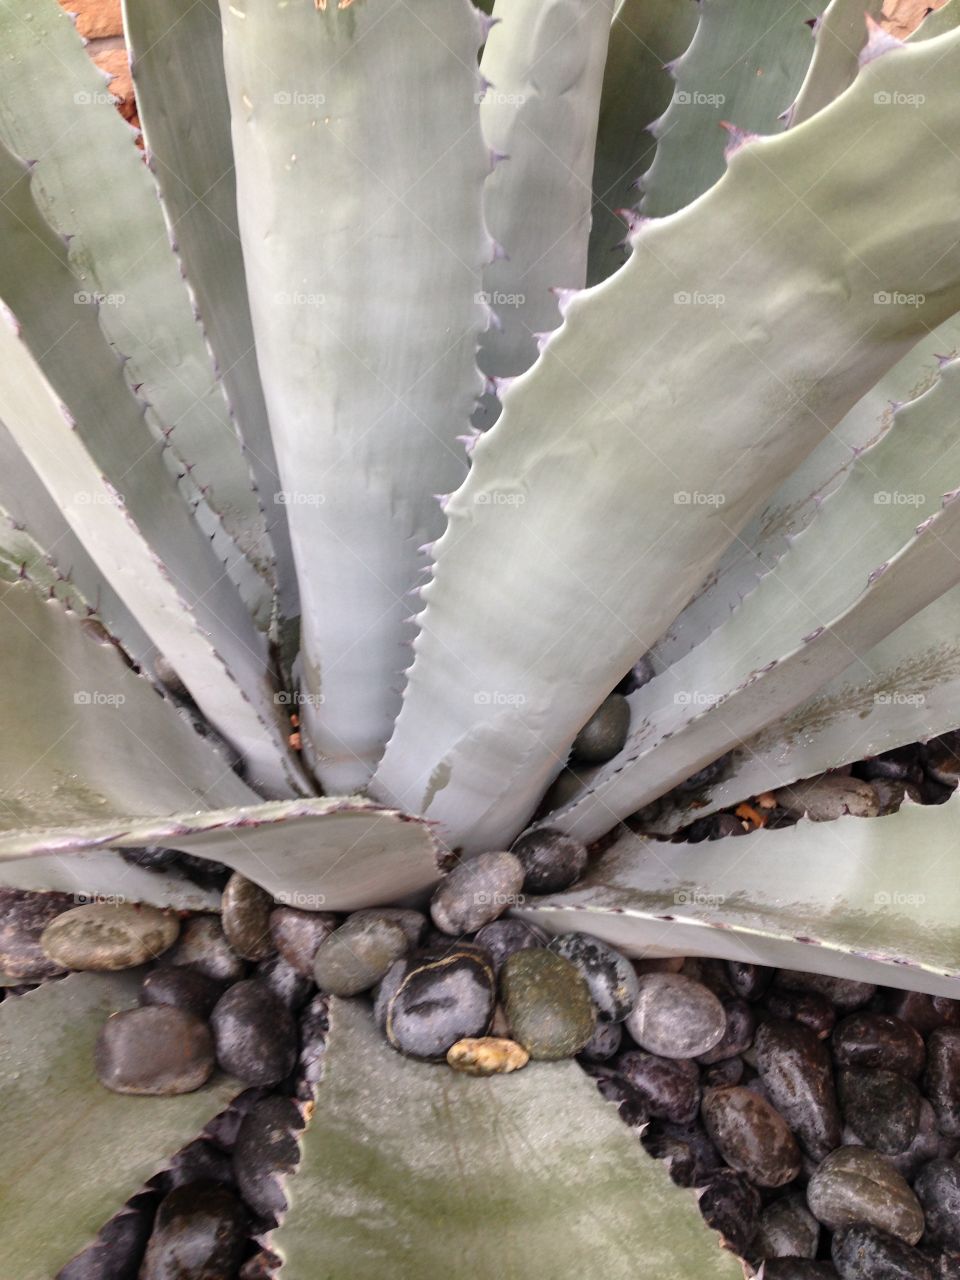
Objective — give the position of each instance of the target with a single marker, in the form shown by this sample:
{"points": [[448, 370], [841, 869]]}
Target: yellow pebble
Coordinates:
{"points": [[487, 1056]]}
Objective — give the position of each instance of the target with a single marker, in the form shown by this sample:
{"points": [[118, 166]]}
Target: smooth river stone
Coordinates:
{"points": [[203, 945], [675, 1017], [937, 1187], [738, 1035], [267, 1149], [183, 988], [749, 981], [795, 1068], [787, 1229], [357, 955], [503, 937], [547, 1003], [751, 1136], [245, 915], [155, 1050], [862, 1252], [551, 860], [855, 1184], [413, 923], [731, 1206], [808, 1007], [430, 1002], [476, 892], [255, 1034], [104, 938], [290, 986], [881, 1107], [669, 1087], [23, 917], [610, 977], [297, 935], [604, 733], [844, 993], [200, 1234], [879, 1040], [925, 1146], [604, 1043], [942, 1078]]}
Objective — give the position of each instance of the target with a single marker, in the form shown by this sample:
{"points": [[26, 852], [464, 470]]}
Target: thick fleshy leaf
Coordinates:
{"points": [[544, 61], [937, 22], [176, 51], [599, 449], [741, 71], [841, 33], [333, 855], [863, 569], [360, 165], [407, 1166], [645, 36], [72, 1150], [124, 271], [876, 899], [67, 407]]}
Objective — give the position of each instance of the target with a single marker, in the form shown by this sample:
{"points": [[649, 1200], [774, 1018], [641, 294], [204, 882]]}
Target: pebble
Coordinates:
{"points": [[675, 1016], [879, 1040], [828, 797], [813, 1010], [738, 1034], [255, 1034], [547, 1003], [751, 1136], [118, 1249], [476, 892], [23, 918], [920, 1010], [691, 1157], [266, 1150], [731, 1206], [386, 989], [925, 1146], [155, 1050], [503, 937], [942, 1077], [151, 857], [245, 916], [413, 923], [749, 981], [182, 988], [797, 1074], [357, 955], [604, 1043], [937, 1187], [613, 984], [863, 1252], [439, 1000], [855, 1184], [551, 860], [103, 938], [844, 993], [198, 1161], [206, 872], [881, 1107], [298, 934], [705, 777], [728, 1071], [787, 1229], [203, 946], [798, 1269], [487, 1056], [669, 1087], [200, 1232], [604, 733], [287, 983]]}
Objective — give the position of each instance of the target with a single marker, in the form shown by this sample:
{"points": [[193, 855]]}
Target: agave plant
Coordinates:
{"points": [[403, 335]]}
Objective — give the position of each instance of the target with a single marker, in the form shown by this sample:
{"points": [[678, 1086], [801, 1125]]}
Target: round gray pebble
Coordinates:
{"points": [[357, 955], [202, 945], [675, 1016], [551, 860], [255, 1034], [604, 733], [154, 1051], [297, 935], [440, 1000], [476, 892]]}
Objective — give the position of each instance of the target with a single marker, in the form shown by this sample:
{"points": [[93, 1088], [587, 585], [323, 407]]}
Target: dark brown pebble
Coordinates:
{"points": [[245, 914], [798, 1269], [200, 1234], [551, 860], [787, 1229], [285, 982], [862, 1252], [23, 917], [670, 1087], [942, 1078], [796, 1071], [183, 988], [752, 1137], [749, 981], [738, 1036], [878, 1040], [202, 945], [844, 993], [731, 1206], [813, 1010], [156, 1050], [937, 1187], [881, 1107], [118, 1250], [691, 1157], [255, 1034], [266, 1151]]}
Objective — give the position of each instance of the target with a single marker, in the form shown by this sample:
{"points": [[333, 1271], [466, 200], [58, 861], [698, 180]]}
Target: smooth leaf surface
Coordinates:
{"points": [[407, 1166], [72, 1150], [874, 899], [840, 34], [598, 448]]}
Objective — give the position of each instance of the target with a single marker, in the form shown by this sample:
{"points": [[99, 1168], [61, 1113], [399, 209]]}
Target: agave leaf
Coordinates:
{"points": [[119, 253], [859, 572], [106, 877], [544, 62], [743, 68], [177, 65], [840, 34], [334, 855], [768, 536], [359, 177], [905, 688], [645, 36], [831, 897], [73, 1151], [598, 448], [937, 22], [68, 409], [405, 1166]]}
